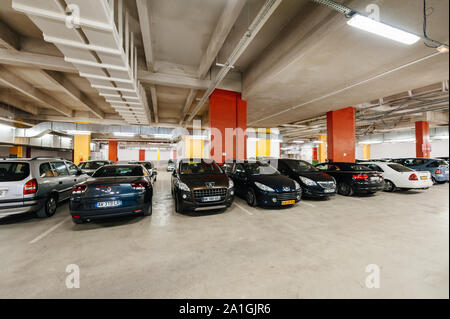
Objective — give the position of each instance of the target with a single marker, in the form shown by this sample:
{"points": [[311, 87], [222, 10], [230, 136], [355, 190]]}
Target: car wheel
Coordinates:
{"points": [[49, 208], [434, 180], [178, 204], [345, 189], [389, 186], [149, 210], [251, 197]]}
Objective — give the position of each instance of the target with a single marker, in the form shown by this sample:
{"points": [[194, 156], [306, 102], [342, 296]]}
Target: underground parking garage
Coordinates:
{"points": [[202, 149]]}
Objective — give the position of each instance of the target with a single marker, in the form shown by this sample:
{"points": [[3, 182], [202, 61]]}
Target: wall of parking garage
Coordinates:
{"points": [[402, 149]]}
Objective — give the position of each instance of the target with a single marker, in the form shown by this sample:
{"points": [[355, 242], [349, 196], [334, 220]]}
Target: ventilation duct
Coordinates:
{"points": [[85, 32]]}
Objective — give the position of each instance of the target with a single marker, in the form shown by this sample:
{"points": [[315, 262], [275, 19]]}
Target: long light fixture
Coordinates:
{"points": [[381, 29], [71, 132], [123, 134]]}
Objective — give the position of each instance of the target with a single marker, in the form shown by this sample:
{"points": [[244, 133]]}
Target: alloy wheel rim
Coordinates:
{"points": [[250, 197], [51, 205]]}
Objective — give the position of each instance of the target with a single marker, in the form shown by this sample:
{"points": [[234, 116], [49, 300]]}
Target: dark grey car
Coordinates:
{"points": [[36, 185], [89, 167]]}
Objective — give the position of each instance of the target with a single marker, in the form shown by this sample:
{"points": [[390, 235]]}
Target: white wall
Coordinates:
{"points": [[403, 149], [127, 155]]}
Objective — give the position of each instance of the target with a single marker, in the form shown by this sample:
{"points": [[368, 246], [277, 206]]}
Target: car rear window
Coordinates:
{"points": [[92, 165], [400, 168], [112, 171], [352, 167], [14, 171]]}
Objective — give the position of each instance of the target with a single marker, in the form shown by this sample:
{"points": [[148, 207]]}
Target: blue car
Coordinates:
{"points": [[113, 190], [437, 167]]}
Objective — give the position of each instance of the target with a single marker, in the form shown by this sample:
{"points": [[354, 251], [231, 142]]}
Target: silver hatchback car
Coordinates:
{"points": [[36, 185]]}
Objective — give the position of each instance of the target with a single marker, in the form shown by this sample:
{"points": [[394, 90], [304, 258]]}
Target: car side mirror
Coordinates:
{"points": [[174, 173]]}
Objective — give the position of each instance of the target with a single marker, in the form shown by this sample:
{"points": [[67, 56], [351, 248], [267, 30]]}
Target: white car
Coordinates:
{"points": [[398, 176]]}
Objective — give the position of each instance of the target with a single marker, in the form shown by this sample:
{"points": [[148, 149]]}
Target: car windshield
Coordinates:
{"points": [[199, 167], [260, 169], [442, 163], [92, 165], [14, 171], [400, 168], [352, 167], [112, 171], [301, 166]]}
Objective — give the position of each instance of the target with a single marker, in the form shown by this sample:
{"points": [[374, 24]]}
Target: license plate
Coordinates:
{"points": [[3, 192], [373, 179], [329, 191], [114, 203], [288, 202], [211, 199], [423, 177]]}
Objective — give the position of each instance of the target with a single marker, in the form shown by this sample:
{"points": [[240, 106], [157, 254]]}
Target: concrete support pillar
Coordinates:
{"points": [[423, 145], [174, 155], [366, 151], [16, 152], [315, 157], [112, 151], [322, 151], [193, 147], [81, 148], [228, 123], [263, 147], [158, 155], [142, 155], [341, 135]]}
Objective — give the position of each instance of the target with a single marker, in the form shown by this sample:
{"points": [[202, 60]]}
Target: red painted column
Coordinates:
{"points": [[227, 113], [423, 145], [112, 151], [174, 155], [142, 155], [341, 135]]}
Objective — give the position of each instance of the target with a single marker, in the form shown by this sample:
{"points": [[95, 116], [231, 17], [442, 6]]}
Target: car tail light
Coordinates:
{"points": [[79, 189], [413, 177], [438, 171], [139, 186], [361, 176], [30, 187], [76, 217]]}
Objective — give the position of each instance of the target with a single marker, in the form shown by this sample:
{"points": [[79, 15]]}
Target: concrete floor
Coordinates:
{"points": [[317, 249]]}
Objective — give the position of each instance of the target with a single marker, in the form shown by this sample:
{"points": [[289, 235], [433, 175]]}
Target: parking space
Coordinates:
{"points": [[318, 248]]}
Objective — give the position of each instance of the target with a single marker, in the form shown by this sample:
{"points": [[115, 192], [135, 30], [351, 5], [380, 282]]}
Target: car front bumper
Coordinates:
{"points": [[270, 199], [317, 192], [189, 204]]}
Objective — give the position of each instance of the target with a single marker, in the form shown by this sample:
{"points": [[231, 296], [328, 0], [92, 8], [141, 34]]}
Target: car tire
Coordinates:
{"points": [[49, 208], [178, 204], [389, 186], [149, 210], [345, 189], [251, 198], [78, 221], [434, 180]]}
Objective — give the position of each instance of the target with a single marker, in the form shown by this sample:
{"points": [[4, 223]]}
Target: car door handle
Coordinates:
{"points": [[74, 180], [60, 183]]}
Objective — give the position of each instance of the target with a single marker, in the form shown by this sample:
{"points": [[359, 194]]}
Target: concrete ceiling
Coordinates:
{"points": [[304, 61]]}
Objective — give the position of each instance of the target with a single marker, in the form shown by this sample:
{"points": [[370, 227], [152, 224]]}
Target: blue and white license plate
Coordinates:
{"points": [[113, 203], [211, 199]]}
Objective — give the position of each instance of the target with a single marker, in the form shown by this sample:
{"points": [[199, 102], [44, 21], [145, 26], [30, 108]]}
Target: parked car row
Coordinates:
{"points": [[100, 189]]}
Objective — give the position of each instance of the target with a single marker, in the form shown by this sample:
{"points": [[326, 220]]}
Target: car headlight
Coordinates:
{"points": [[307, 181], [183, 187], [297, 186], [230, 183], [264, 187]]}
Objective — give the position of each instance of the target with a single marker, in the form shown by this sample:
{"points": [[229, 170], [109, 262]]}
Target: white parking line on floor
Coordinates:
{"points": [[38, 238], [354, 198], [307, 204], [242, 208]]}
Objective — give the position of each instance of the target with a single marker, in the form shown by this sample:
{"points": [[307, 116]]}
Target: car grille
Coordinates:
{"points": [[327, 185], [287, 196], [198, 194]]}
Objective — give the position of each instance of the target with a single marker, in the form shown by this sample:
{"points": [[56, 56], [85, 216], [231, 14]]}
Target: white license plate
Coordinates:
{"points": [[114, 203], [211, 199], [374, 179], [329, 191]]}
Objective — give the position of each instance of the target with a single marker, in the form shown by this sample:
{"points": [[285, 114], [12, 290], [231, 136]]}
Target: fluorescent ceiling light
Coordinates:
{"points": [[71, 132], [122, 134], [370, 142], [401, 140], [318, 142], [381, 29], [299, 142], [162, 135]]}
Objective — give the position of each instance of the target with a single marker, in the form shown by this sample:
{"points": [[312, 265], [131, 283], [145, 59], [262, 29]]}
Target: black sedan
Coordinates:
{"points": [[314, 183], [353, 178], [113, 190], [261, 184], [200, 185]]}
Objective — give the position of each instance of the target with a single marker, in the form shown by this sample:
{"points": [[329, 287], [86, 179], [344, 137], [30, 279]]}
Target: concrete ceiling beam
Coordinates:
{"points": [[8, 38]]}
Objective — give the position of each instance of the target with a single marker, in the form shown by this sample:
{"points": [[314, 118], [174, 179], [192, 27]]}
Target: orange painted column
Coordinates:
{"points": [[112, 151], [227, 116], [174, 155], [142, 155], [423, 145], [341, 135]]}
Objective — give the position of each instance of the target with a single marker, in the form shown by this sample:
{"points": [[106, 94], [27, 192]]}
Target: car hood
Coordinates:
{"points": [[200, 180], [277, 182], [315, 176]]}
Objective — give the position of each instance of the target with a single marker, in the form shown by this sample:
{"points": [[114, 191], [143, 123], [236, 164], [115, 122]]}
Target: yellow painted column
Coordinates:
{"points": [[81, 148], [157, 155], [366, 151], [16, 152], [322, 151], [263, 147], [193, 148]]}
